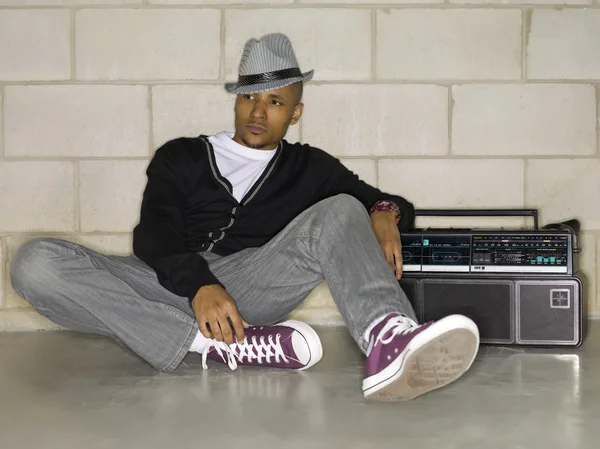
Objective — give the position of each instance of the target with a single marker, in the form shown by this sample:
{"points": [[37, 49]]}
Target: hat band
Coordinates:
{"points": [[248, 80]]}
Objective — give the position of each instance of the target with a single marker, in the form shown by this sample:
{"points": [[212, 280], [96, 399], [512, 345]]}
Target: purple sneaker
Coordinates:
{"points": [[290, 344], [407, 360]]}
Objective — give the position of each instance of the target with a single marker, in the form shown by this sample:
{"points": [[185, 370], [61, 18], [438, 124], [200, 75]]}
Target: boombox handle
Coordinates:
{"points": [[480, 213]]}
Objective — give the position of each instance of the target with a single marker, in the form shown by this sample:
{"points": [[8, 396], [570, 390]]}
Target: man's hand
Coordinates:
{"points": [[214, 307], [388, 236]]}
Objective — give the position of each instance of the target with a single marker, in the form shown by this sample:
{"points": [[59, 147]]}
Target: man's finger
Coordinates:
{"points": [[237, 323], [399, 266], [224, 325], [226, 330], [390, 259], [215, 328], [203, 328], [389, 254], [398, 257]]}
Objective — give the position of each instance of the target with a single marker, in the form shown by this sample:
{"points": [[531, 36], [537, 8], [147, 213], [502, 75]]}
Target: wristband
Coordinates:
{"points": [[386, 206]]}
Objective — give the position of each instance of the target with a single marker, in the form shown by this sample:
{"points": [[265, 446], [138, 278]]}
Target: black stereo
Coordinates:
{"points": [[521, 287]]}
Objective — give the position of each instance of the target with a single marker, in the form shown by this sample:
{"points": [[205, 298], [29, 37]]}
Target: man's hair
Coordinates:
{"points": [[298, 89]]}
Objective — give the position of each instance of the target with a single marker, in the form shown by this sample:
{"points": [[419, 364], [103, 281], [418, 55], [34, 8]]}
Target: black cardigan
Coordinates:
{"points": [[187, 206]]}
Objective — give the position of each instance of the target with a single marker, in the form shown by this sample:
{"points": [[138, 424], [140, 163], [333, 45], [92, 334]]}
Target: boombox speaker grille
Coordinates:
{"points": [[489, 303], [547, 312]]}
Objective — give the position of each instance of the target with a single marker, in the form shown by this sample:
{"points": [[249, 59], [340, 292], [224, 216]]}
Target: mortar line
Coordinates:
{"points": [[479, 157], [376, 172], [524, 175], [4, 271], [222, 55], [597, 90], [374, 44], [2, 119], [66, 233], [216, 82], [361, 6], [150, 120], [72, 43], [525, 22], [72, 158], [77, 198], [450, 118], [596, 294]]}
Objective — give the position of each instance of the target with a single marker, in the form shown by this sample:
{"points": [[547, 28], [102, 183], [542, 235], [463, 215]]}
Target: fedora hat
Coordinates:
{"points": [[267, 63]]}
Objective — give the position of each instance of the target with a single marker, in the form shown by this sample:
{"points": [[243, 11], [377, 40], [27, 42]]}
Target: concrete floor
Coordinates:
{"points": [[65, 390]]}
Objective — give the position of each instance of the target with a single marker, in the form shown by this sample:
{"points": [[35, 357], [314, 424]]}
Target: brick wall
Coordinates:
{"points": [[500, 97]]}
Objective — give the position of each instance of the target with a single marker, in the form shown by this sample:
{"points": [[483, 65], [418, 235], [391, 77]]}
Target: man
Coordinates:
{"points": [[236, 229]]}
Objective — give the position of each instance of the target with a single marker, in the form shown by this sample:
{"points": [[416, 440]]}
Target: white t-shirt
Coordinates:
{"points": [[240, 165]]}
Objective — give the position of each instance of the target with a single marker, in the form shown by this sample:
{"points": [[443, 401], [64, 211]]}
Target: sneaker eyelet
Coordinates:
{"points": [[396, 350], [389, 357]]}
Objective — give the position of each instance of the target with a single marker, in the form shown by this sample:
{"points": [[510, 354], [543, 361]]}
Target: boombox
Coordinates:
{"points": [[521, 287]]}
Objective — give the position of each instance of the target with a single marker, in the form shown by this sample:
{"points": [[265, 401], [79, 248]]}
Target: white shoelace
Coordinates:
{"points": [[254, 349], [398, 326]]}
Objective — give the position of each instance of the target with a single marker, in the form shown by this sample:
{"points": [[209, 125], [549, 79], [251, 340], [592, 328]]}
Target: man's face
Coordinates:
{"points": [[262, 119]]}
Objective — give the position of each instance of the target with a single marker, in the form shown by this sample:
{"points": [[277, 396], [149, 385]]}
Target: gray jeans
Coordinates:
{"points": [[120, 297]]}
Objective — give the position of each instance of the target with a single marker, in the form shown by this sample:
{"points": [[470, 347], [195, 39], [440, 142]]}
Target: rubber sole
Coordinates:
{"points": [[435, 358], [312, 340]]}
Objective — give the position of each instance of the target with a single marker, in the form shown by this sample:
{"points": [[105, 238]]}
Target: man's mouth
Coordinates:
{"points": [[256, 129]]}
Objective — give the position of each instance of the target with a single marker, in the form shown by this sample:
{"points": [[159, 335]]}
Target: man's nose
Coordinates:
{"points": [[259, 110]]}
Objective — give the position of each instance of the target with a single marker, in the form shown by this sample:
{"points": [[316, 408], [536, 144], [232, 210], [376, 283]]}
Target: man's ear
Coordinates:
{"points": [[297, 113]]}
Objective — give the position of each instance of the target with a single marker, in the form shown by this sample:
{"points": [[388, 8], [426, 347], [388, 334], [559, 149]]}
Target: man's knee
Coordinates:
{"points": [[347, 206], [33, 266], [345, 200]]}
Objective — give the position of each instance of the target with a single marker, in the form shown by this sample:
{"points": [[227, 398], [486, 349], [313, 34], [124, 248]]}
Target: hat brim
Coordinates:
{"points": [[233, 88]]}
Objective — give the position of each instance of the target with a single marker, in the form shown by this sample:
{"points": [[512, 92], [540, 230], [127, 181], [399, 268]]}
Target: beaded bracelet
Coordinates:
{"points": [[386, 205]]}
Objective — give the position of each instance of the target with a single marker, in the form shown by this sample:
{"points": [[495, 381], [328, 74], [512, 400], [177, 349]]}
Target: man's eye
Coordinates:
{"points": [[276, 102]]}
